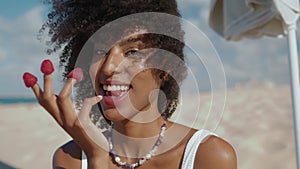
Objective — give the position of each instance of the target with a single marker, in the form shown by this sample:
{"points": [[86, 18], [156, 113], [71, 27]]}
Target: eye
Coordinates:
{"points": [[100, 52], [133, 53]]}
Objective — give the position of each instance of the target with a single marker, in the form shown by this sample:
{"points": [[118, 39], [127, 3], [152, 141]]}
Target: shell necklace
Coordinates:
{"points": [[142, 160]]}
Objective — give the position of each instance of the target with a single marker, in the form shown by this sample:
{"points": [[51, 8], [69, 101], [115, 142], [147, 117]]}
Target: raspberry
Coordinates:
{"points": [[47, 67], [76, 74], [29, 79]]}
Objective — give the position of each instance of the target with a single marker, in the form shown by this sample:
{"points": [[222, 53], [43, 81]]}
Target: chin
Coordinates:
{"points": [[113, 115]]}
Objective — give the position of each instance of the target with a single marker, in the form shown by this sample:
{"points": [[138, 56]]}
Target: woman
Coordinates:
{"points": [[136, 91]]}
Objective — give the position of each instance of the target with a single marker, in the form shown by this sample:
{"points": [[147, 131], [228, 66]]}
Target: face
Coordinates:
{"points": [[120, 74]]}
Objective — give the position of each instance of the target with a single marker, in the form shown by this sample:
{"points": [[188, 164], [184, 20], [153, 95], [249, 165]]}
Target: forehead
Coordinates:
{"points": [[121, 37]]}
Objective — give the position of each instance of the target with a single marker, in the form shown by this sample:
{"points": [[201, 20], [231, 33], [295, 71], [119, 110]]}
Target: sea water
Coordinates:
{"points": [[15, 100]]}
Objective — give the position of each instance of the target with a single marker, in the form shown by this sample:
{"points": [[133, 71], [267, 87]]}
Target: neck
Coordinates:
{"points": [[137, 130], [134, 140]]}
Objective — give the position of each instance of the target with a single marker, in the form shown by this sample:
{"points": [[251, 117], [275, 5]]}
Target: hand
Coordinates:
{"points": [[60, 107]]}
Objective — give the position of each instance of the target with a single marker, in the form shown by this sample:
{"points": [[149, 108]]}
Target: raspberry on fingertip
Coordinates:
{"points": [[47, 67], [29, 79], [77, 74]]}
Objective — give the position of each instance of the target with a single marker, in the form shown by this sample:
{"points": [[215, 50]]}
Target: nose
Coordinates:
{"points": [[112, 61]]}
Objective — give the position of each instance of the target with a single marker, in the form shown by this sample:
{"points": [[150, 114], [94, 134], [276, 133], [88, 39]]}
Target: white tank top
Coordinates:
{"points": [[189, 153]]}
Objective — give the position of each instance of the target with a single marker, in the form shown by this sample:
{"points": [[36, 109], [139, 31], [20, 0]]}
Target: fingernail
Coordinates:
{"points": [[100, 97], [76, 74], [47, 67], [29, 79]]}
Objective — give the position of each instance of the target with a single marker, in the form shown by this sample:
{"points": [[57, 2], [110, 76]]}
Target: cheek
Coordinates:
{"points": [[146, 83], [93, 72]]}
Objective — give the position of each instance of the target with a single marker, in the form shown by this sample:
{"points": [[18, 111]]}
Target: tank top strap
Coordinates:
{"points": [[84, 164], [192, 147]]}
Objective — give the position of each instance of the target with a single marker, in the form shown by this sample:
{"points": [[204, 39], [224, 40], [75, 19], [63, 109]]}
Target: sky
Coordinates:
{"points": [[264, 59]]}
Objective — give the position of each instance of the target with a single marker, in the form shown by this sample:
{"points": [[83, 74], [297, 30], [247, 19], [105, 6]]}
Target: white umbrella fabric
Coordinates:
{"points": [[235, 19]]}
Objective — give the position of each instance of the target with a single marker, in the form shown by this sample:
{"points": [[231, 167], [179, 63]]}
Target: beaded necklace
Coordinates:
{"points": [[142, 160]]}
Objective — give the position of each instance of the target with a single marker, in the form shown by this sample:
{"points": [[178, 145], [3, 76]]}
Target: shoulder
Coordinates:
{"points": [[67, 156], [214, 152]]}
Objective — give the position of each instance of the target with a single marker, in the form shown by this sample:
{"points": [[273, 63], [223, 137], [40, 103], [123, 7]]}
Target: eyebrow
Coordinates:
{"points": [[131, 40], [127, 41]]}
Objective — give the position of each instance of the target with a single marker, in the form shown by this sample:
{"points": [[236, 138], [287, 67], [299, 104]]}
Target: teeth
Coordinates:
{"points": [[105, 87], [115, 87]]}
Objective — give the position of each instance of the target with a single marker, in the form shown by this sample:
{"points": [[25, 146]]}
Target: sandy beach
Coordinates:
{"points": [[257, 121], [29, 136]]}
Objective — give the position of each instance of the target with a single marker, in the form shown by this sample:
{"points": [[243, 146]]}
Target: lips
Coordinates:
{"points": [[114, 92]]}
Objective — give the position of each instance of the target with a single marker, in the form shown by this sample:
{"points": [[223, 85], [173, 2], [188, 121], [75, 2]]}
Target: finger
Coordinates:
{"points": [[47, 68], [65, 104], [86, 108], [74, 76], [31, 81], [37, 91], [91, 132], [64, 100], [48, 89], [49, 99]]}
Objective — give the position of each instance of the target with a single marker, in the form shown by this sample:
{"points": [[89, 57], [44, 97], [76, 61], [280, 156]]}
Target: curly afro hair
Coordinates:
{"points": [[71, 23]]}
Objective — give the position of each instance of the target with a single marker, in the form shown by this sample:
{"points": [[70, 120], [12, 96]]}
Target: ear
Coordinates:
{"points": [[164, 76]]}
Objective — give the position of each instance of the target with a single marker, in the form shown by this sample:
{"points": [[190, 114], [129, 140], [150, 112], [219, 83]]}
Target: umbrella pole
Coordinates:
{"points": [[295, 89]]}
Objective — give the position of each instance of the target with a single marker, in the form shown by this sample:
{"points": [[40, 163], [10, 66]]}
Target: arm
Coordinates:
{"points": [[215, 153], [67, 156]]}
